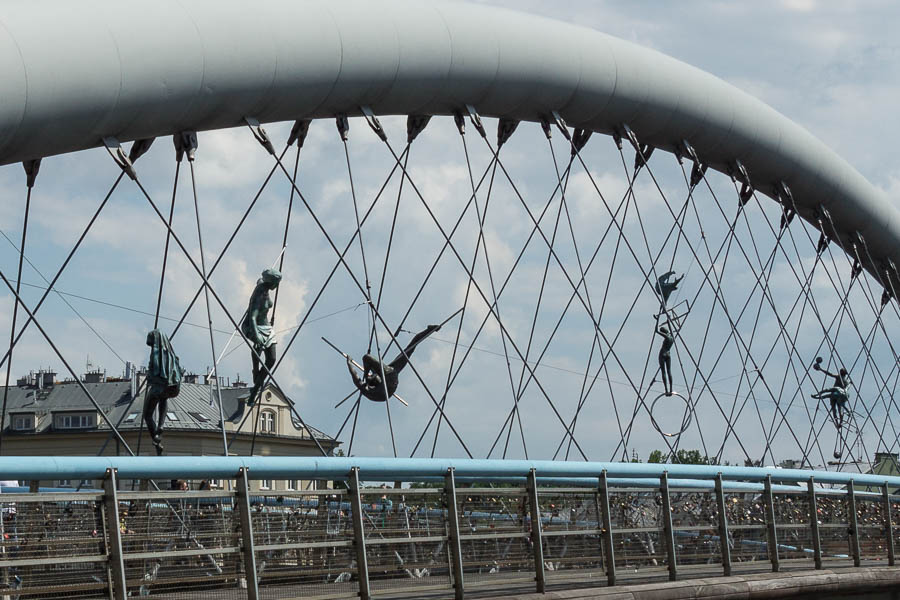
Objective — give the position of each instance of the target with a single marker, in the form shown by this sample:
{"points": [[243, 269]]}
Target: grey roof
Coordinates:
{"points": [[192, 408]]}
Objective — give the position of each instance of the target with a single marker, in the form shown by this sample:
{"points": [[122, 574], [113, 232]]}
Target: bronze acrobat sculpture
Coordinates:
{"points": [[257, 328], [371, 384], [164, 375]]}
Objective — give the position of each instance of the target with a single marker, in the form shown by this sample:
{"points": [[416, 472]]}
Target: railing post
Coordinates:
{"points": [[248, 548], [814, 523], [537, 543], [723, 527], [772, 535], [853, 531], [888, 523], [453, 543], [359, 535], [668, 531], [114, 536], [607, 535]]}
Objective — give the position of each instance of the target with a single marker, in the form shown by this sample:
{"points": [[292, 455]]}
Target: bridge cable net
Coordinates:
{"points": [[540, 292]]}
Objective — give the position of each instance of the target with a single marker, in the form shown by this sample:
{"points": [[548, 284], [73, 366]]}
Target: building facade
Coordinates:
{"points": [[50, 418]]}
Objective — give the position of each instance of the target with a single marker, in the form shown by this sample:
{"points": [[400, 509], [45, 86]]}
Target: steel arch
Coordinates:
{"points": [[75, 73]]}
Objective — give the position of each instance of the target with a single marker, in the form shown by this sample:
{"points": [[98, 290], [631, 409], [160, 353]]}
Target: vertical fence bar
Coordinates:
{"points": [[607, 535], [723, 527], [248, 548], [853, 531], [667, 530], [454, 544], [814, 523], [771, 531], [888, 523], [114, 536], [537, 543], [359, 536]]}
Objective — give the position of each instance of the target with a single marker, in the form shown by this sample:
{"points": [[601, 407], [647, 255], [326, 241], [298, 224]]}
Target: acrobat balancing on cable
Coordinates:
{"points": [[837, 394]]}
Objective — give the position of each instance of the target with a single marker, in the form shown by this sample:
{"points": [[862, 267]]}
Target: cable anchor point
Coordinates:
{"points": [[299, 132], [505, 129], [415, 124], [118, 155], [185, 143], [260, 134], [373, 122], [476, 120], [31, 171], [561, 125], [343, 126]]}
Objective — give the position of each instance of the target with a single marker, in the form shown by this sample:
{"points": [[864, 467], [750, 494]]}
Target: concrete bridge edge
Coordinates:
{"points": [[755, 586]]}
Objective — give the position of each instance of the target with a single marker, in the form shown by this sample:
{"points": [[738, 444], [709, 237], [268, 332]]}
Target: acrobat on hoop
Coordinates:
{"points": [[685, 421]]}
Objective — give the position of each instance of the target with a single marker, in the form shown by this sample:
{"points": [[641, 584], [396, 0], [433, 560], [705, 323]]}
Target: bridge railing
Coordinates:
{"points": [[459, 526]]}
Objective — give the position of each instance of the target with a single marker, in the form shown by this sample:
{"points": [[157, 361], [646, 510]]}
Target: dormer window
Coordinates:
{"points": [[74, 421], [23, 422]]}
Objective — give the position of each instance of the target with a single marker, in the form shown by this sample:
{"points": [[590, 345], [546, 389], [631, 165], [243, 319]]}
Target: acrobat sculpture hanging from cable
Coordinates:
{"points": [[164, 375], [258, 329], [371, 385]]}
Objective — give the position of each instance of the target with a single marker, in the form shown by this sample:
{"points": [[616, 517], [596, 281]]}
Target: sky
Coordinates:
{"points": [[832, 67]]}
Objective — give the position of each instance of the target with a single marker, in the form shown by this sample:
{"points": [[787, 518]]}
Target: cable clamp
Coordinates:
{"points": [[505, 129], [460, 122], [260, 134], [561, 125], [374, 123], [185, 143], [415, 124], [298, 132], [118, 155], [476, 120], [31, 170], [343, 126], [545, 126], [856, 269], [139, 148]]}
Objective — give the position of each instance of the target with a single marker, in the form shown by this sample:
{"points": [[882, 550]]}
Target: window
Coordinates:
{"points": [[215, 484], [171, 416], [267, 422], [64, 483], [198, 416], [291, 484], [23, 422], [265, 484], [131, 417], [74, 421]]}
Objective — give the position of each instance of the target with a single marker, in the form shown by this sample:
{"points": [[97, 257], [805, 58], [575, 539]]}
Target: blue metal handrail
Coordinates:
{"points": [[407, 469]]}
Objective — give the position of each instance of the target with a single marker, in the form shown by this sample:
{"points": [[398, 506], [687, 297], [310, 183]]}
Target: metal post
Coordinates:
{"points": [[814, 523], [853, 531], [114, 536], [359, 535], [888, 524], [667, 530], [247, 546], [607, 536], [772, 536], [536, 538], [723, 527], [453, 541]]}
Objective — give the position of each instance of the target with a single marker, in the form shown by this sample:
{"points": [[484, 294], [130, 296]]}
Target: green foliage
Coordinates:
{"points": [[682, 456]]}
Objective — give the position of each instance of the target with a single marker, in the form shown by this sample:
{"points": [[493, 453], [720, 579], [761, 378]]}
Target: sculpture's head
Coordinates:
{"points": [[152, 336], [664, 329], [271, 278], [843, 371]]}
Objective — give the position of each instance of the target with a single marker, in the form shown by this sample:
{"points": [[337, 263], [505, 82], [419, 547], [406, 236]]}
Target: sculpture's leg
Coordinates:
{"points": [[150, 402]]}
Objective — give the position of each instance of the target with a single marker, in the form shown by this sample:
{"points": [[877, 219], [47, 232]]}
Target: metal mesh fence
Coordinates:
{"points": [[53, 548], [180, 543], [570, 520], [495, 535], [304, 544], [185, 545]]}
